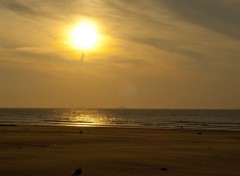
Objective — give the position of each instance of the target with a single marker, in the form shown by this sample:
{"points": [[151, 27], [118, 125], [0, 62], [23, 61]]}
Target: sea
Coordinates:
{"points": [[201, 119]]}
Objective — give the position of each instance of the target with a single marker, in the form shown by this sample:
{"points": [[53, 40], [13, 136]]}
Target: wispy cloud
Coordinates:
{"points": [[18, 7], [218, 15]]}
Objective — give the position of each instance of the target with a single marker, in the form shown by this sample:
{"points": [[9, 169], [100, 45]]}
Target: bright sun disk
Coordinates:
{"points": [[84, 36]]}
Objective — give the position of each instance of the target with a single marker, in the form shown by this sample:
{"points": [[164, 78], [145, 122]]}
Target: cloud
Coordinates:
{"points": [[169, 45], [51, 10], [18, 7], [218, 15]]}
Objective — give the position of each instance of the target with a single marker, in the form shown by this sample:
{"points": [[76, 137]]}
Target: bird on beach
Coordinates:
{"points": [[77, 172]]}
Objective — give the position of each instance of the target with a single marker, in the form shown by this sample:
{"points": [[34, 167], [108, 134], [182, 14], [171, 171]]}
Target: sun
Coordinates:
{"points": [[84, 36]]}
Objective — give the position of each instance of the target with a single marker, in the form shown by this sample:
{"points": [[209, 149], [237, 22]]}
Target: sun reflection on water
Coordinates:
{"points": [[85, 117]]}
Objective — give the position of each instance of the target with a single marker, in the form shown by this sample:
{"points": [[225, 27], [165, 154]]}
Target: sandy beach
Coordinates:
{"points": [[58, 151]]}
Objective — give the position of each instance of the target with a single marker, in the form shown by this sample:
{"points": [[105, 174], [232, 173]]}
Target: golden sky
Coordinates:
{"points": [[151, 54]]}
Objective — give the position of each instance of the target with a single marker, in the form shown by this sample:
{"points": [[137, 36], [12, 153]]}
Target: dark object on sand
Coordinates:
{"points": [[77, 172], [164, 169], [199, 133]]}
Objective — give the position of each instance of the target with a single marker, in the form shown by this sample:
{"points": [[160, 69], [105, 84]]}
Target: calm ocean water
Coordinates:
{"points": [[142, 118]]}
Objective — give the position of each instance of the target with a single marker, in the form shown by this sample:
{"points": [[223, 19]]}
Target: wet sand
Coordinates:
{"points": [[58, 151]]}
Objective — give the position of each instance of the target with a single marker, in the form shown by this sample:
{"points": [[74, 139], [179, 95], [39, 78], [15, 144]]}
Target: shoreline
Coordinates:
{"points": [[124, 127], [58, 150]]}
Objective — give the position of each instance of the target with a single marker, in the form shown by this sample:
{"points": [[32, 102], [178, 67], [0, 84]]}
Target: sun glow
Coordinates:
{"points": [[84, 36]]}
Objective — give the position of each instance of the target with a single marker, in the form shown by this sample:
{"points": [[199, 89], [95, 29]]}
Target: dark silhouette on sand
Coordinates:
{"points": [[77, 172]]}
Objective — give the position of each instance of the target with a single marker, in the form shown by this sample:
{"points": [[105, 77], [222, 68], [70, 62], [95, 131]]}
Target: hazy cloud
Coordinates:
{"points": [[219, 15], [18, 7]]}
